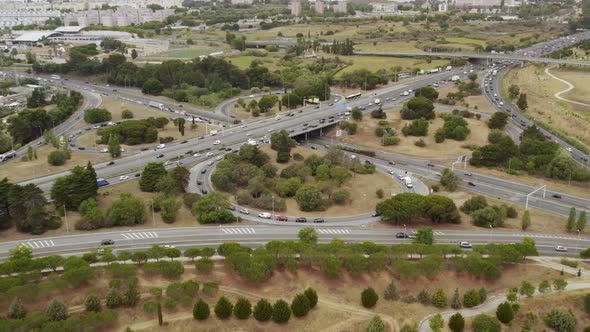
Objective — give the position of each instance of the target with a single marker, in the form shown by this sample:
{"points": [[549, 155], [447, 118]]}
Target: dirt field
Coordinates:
{"points": [[17, 170], [116, 106], [89, 139], [540, 88], [365, 136], [241, 113], [476, 103]]}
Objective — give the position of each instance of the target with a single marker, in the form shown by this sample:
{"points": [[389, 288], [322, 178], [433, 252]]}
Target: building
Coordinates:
{"points": [[477, 3], [121, 16], [341, 7], [319, 7], [443, 7], [10, 18], [296, 8], [145, 47], [389, 7], [240, 2]]}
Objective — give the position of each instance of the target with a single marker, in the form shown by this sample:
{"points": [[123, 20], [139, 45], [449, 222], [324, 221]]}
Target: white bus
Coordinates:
{"points": [[353, 96], [7, 155]]}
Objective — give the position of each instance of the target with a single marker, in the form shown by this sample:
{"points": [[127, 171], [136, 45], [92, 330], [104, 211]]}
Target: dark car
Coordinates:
{"points": [[189, 152], [471, 184], [203, 171], [81, 148], [160, 156], [231, 208], [318, 220], [137, 175], [199, 182], [204, 191], [558, 196], [144, 149], [72, 145], [391, 163], [313, 147], [201, 137], [430, 165], [107, 242], [402, 235], [375, 214], [111, 163], [301, 219], [183, 142]]}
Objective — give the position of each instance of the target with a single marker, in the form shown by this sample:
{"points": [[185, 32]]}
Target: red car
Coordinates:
{"points": [[282, 218]]}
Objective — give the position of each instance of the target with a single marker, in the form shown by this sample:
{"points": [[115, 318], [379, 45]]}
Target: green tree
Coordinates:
{"points": [[424, 296], [56, 311], [424, 235], [97, 115], [170, 208], [201, 310], [471, 298], [204, 265], [391, 292], [114, 146], [223, 308], [526, 220], [16, 309], [376, 324], [587, 303], [282, 144], [263, 311], [418, 107], [92, 303], [152, 173], [369, 297], [449, 179], [571, 220], [457, 323], [159, 311], [355, 264], [436, 323], [212, 208], [504, 313], [128, 210], [559, 284], [544, 287], [126, 114], [300, 305], [456, 301], [439, 298], [527, 289], [281, 313], [357, 114], [243, 308], [308, 235], [581, 224], [331, 266], [312, 296], [498, 120], [513, 91], [72, 189], [179, 123], [133, 54], [427, 92], [57, 157], [485, 323], [152, 87], [522, 102]]}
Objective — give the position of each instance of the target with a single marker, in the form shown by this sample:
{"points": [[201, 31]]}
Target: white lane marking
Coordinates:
{"points": [[253, 230], [125, 236], [224, 230], [47, 243], [141, 235], [30, 245], [40, 243], [51, 241]]}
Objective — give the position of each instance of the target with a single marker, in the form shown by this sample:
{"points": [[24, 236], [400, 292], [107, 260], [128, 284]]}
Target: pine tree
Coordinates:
{"points": [[581, 224], [391, 293], [243, 308], [571, 220], [526, 220], [16, 309], [56, 310], [376, 324], [369, 297], [223, 308], [133, 54], [457, 323], [439, 298], [504, 313], [424, 296], [263, 310], [281, 313], [201, 310], [456, 301], [114, 146], [160, 318], [300, 305], [312, 296]]}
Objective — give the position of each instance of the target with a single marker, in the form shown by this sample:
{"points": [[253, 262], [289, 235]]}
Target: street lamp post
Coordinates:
{"points": [[273, 206], [491, 233], [405, 229], [68, 226], [153, 215], [578, 241]]}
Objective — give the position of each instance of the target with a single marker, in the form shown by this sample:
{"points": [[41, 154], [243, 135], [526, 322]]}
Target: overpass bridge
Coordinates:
{"points": [[477, 55]]}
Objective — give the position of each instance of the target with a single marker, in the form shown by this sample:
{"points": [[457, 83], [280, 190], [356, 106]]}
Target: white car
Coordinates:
{"points": [[168, 246], [217, 142], [243, 211], [196, 155], [167, 163], [161, 146], [210, 162], [209, 154], [465, 245], [569, 149], [96, 127], [123, 177], [560, 248], [248, 134], [218, 158], [104, 150], [265, 215]]}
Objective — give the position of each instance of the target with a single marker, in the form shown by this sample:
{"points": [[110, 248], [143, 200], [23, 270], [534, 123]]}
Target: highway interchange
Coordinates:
{"points": [[299, 123]]}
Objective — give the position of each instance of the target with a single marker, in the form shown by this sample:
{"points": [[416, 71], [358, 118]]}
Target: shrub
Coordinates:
{"points": [[281, 313], [263, 311], [485, 323], [97, 115], [201, 310], [204, 265], [223, 308], [457, 323], [369, 297], [424, 296], [92, 303], [439, 298], [391, 293], [150, 306], [504, 313], [58, 157], [471, 298], [561, 321], [243, 308], [376, 324], [210, 288], [126, 114], [420, 143], [300, 305], [312, 296]]}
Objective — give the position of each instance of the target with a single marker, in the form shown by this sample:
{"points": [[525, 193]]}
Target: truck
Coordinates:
{"points": [[213, 132], [455, 78], [100, 182], [156, 105], [377, 101], [408, 181], [433, 71], [252, 142], [494, 72], [7, 155]]}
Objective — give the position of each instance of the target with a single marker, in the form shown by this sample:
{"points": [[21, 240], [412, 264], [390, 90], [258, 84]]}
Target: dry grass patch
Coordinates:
{"points": [[116, 106], [540, 89], [17, 170], [365, 136]]}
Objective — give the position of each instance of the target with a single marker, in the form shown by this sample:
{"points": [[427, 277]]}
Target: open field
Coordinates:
{"points": [[187, 53], [116, 106], [365, 136], [540, 88], [271, 61], [476, 103], [387, 46], [581, 92], [375, 63], [17, 170], [89, 138], [466, 41]]}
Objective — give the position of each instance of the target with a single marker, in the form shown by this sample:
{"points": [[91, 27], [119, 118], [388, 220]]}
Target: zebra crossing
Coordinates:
{"points": [[438, 233], [39, 244], [238, 230], [140, 235], [332, 231]]}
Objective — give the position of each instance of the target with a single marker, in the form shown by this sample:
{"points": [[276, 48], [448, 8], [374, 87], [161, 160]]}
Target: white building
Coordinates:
{"points": [[122, 16], [341, 7], [296, 7], [319, 7], [380, 7], [10, 18]]}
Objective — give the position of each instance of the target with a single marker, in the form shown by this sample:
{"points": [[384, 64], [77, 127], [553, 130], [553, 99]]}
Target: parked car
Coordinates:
{"points": [[111, 163], [471, 184], [558, 196]]}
